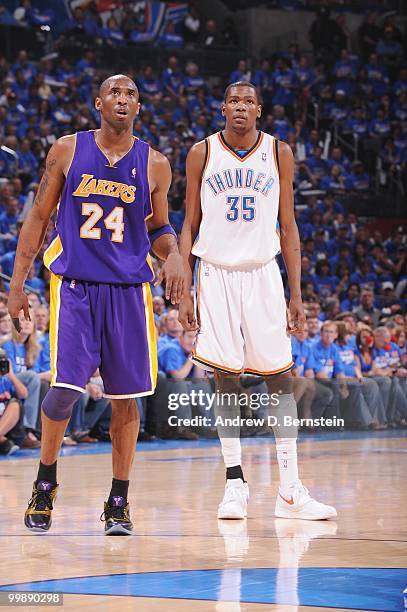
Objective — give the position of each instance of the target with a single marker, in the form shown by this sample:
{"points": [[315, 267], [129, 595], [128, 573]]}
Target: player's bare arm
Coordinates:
{"points": [[164, 246], [190, 229], [34, 228], [289, 239]]}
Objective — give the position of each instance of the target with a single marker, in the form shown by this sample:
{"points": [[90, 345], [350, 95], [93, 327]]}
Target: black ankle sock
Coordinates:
{"points": [[119, 487], [234, 472], [47, 472]]}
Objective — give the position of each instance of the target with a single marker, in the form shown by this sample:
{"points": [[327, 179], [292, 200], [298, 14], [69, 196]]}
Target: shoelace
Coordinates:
{"points": [[117, 512], [41, 500]]}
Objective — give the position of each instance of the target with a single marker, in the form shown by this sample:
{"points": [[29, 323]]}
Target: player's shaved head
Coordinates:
{"points": [[114, 80], [242, 84]]}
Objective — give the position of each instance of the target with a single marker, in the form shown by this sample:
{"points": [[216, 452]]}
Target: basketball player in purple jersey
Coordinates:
{"points": [[239, 216], [110, 192]]}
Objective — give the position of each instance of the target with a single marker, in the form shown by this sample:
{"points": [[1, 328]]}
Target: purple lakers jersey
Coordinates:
{"points": [[100, 233]]}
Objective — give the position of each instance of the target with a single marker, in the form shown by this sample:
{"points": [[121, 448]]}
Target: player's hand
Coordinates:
{"points": [[172, 271], [17, 302], [186, 314], [295, 316]]}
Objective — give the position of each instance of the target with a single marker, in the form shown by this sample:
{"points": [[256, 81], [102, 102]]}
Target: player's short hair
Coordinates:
{"points": [[241, 84], [105, 82]]}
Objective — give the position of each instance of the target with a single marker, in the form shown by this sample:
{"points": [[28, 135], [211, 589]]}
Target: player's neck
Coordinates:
{"points": [[110, 138], [240, 141]]}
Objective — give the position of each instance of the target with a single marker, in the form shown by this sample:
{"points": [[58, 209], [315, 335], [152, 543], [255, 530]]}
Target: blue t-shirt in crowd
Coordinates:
{"points": [[7, 386], [302, 355], [347, 353], [172, 357], [43, 363], [16, 351], [327, 359]]}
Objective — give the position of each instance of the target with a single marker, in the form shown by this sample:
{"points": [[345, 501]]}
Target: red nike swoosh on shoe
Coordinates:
{"points": [[289, 501]]}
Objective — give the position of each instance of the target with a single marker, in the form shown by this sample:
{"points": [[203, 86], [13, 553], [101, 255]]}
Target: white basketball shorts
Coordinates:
{"points": [[243, 321]]}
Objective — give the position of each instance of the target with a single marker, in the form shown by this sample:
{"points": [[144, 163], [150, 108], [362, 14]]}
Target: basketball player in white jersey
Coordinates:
{"points": [[239, 189]]}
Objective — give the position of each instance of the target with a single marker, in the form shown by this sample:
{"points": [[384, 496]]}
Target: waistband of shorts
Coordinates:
{"points": [[98, 283], [247, 267]]}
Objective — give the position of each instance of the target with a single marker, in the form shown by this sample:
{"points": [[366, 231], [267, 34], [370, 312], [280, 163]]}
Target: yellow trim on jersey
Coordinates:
{"points": [[150, 335], [55, 305], [286, 368], [148, 182], [53, 251], [70, 163], [198, 359], [150, 263], [242, 159], [104, 154]]}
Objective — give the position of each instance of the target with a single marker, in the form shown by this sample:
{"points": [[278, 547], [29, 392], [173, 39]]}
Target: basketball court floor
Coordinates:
{"points": [[181, 558]]}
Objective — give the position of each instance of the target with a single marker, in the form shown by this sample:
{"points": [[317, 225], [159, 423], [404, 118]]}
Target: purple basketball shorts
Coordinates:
{"points": [[110, 327]]}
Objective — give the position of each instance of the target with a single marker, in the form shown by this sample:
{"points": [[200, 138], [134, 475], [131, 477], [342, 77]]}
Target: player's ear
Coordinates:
{"points": [[223, 109], [98, 103], [259, 109]]}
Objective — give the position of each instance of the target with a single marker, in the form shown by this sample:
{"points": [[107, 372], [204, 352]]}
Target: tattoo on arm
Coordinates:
{"points": [[44, 182]]}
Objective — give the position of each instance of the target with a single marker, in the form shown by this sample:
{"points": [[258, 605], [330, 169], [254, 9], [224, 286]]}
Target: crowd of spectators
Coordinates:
{"points": [[354, 278]]}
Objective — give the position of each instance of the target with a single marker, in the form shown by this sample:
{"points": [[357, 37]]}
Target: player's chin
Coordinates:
{"points": [[239, 125]]}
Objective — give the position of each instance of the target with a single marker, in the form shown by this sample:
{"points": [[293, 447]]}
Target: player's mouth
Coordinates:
{"points": [[122, 112], [240, 118]]}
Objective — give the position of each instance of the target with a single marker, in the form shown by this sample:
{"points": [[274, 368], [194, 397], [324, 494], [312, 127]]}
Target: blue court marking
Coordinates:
{"points": [[102, 448], [358, 588]]}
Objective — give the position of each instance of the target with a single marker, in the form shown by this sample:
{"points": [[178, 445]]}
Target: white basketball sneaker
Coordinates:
{"points": [[299, 504], [234, 502]]}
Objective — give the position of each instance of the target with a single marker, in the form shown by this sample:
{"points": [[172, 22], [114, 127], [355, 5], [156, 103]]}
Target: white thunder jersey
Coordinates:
{"points": [[239, 201], [240, 301]]}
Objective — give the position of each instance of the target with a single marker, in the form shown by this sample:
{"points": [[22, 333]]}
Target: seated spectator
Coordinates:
{"points": [[324, 283], [5, 327], [211, 37], [401, 341], [42, 320], [379, 126], [352, 301], [173, 78], [243, 73], [388, 48], [170, 39], [171, 330], [12, 432], [149, 85], [365, 405], [359, 179], [386, 362], [367, 311], [314, 325], [336, 181], [329, 366], [23, 351], [175, 360]]}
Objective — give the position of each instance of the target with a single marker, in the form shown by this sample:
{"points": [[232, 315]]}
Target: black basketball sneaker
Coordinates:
{"points": [[116, 516], [38, 516]]}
